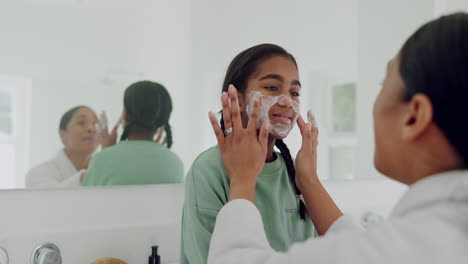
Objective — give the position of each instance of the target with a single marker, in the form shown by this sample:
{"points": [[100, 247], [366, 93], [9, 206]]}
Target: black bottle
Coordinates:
{"points": [[154, 258]]}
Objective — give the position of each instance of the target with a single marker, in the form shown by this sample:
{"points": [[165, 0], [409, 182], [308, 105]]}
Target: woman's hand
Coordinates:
{"points": [[107, 139], [243, 150], [306, 159]]}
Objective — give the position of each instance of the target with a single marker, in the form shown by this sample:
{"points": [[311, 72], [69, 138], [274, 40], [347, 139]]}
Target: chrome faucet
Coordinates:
{"points": [[3, 256], [46, 253]]}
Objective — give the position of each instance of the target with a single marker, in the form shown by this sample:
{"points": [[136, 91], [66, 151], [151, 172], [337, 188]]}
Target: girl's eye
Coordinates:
{"points": [[81, 123], [295, 94], [271, 88]]}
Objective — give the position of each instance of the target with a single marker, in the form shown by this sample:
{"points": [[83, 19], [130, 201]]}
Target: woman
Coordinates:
{"points": [[268, 72], [138, 159], [420, 141], [78, 133]]}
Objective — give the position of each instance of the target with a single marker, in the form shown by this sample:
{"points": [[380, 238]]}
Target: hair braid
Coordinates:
{"points": [[292, 175], [168, 134]]}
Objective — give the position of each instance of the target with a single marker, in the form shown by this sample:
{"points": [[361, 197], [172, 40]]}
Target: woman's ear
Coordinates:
{"points": [[418, 118]]}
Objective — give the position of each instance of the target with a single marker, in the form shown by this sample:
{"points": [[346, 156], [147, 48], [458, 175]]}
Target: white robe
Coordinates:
{"points": [[428, 225], [58, 172]]}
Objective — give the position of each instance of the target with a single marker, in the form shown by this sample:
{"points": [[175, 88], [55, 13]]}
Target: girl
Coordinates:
{"points": [[137, 159], [269, 73]]}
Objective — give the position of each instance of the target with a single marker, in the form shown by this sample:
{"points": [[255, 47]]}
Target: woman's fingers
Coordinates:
{"points": [[103, 121], [253, 120], [304, 127], [311, 118], [263, 136], [216, 129], [226, 112], [305, 132], [235, 110], [314, 128]]}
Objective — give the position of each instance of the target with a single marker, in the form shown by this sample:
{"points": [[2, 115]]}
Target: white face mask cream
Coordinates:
{"points": [[281, 129]]}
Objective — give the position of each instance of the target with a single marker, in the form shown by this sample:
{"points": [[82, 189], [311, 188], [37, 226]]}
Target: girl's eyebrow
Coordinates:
{"points": [[279, 78]]}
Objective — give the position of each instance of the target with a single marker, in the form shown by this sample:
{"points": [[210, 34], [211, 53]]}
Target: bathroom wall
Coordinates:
{"points": [[124, 222]]}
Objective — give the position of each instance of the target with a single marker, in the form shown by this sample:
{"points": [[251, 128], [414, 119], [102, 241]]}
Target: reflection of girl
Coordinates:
{"points": [[79, 137], [137, 159], [420, 141], [265, 71]]}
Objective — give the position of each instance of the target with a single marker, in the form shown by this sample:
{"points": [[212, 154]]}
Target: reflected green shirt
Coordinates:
{"points": [[134, 162], [207, 190]]}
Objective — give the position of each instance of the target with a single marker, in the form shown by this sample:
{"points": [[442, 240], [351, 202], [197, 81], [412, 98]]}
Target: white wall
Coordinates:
{"points": [[449, 6], [87, 52], [320, 34], [456, 5], [383, 26]]}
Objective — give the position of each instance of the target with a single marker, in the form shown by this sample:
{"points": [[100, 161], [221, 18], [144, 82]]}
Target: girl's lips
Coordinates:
{"points": [[282, 118]]}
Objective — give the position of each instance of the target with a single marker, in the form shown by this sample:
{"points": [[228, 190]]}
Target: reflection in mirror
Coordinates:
{"points": [[60, 54], [142, 156], [78, 132], [86, 53]]}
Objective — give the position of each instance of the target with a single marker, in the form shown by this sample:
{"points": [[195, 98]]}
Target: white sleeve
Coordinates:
{"points": [[43, 177], [344, 223], [239, 237]]}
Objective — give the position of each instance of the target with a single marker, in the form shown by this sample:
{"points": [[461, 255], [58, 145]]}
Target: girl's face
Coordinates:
{"points": [[276, 81], [80, 134]]}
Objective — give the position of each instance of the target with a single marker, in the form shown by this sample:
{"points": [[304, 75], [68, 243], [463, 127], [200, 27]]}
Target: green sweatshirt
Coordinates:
{"points": [[134, 162], [207, 190]]}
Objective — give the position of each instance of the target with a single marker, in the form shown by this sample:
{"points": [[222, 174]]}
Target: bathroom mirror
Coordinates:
{"points": [[60, 54]]}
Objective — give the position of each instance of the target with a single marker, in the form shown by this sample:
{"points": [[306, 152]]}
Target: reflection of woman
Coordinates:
{"points": [[420, 141], [79, 137], [268, 72], [138, 159]]}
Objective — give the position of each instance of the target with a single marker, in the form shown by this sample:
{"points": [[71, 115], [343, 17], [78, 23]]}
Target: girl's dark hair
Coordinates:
{"points": [[238, 73], [434, 62], [65, 120], [149, 106]]}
